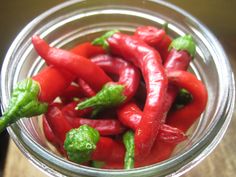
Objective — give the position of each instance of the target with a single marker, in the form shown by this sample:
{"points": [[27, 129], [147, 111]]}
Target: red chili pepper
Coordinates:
{"points": [[49, 90], [108, 150], [113, 93], [69, 110], [79, 65], [105, 127], [51, 137], [182, 50], [190, 112], [128, 74], [56, 120], [61, 123], [130, 115], [183, 118], [87, 90], [31, 96], [87, 50], [156, 38], [181, 53], [149, 61], [71, 92], [160, 151]]}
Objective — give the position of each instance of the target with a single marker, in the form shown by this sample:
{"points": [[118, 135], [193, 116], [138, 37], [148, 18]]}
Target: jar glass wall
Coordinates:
{"points": [[78, 21]]}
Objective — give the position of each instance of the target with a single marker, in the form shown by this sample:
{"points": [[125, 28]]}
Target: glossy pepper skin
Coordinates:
{"points": [[183, 118], [51, 137], [182, 49], [156, 38], [105, 126], [128, 74], [87, 50], [56, 120], [31, 96], [87, 90], [61, 122], [149, 62], [190, 112], [130, 115], [76, 64]]}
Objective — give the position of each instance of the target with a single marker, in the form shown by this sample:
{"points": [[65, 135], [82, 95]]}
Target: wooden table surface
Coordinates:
{"points": [[220, 163]]}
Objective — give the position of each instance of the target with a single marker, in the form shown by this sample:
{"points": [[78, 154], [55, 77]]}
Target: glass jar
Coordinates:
{"points": [[77, 21]]}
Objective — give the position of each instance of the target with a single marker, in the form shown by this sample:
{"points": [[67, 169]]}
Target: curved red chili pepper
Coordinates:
{"points": [[130, 115], [156, 38], [104, 126], [79, 65], [183, 118], [128, 74], [149, 61], [60, 122], [189, 113]]}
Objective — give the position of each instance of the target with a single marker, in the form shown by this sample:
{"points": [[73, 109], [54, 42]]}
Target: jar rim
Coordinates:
{"points": [[36, 153]]}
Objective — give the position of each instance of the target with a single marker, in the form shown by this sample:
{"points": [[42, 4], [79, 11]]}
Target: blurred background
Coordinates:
{"points": [[217, 15]]}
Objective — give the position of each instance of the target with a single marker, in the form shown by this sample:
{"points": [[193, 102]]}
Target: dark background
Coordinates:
{"points": [[217, 15]]}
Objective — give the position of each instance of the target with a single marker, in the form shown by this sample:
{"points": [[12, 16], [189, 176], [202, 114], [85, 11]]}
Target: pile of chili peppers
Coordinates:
{"points": [[125, 101]]}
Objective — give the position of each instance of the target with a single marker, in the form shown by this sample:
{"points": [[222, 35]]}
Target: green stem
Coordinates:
{"points": [[184, 43], [165, 27], [128, 140], [111, 95], [102, 40], [23, 103]]}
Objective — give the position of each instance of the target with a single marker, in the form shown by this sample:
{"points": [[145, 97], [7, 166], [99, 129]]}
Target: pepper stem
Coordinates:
{"points": [[184, 43], [80, 143], [109, 96], [128, 140], [24, 103], [102, 40]]}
